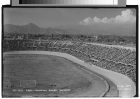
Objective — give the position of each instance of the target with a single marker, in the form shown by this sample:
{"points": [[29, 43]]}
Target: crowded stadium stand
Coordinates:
{"points": [[117, 59]]}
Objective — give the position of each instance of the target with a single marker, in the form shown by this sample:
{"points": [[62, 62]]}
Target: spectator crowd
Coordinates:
{"points": [[117, 59]]}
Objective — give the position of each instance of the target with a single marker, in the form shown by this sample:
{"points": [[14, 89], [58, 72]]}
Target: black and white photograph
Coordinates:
{"points": [[69, 52]]}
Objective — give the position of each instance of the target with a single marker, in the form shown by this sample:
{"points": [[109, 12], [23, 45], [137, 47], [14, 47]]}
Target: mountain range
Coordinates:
{"points": [[71, 29]]}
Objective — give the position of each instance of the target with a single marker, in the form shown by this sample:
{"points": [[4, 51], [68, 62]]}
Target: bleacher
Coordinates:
{"points": [[120, 60]]}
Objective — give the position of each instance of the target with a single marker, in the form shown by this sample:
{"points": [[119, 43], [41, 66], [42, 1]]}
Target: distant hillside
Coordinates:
{"points": [[32, 29], [29, 28], [69, 29]]}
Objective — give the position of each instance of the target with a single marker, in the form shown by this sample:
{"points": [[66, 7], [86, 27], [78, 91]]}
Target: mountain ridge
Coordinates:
{"points": [[68, 29]]}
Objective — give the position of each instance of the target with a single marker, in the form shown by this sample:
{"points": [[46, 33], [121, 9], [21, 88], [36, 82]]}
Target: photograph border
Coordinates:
{"points": [[80, 6]]}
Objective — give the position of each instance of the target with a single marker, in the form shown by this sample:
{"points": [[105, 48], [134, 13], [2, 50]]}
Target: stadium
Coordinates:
{"points": [[64, 68], [69, 52]]}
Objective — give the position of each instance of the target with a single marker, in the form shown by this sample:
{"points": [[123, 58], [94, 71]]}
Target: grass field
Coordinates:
{"points": [[46, 75]]}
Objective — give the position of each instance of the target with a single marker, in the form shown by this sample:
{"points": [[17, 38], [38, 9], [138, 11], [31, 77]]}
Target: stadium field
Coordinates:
{"points": [[37, 75]]}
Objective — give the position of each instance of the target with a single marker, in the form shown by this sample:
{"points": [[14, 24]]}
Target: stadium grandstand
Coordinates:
{"points": [[115, 58]]}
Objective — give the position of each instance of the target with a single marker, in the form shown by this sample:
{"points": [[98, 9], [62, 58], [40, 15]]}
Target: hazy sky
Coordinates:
{"points": [[51, 17], [115, 21]]}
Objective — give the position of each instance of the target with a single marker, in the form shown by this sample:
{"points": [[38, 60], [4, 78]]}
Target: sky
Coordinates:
{"points": [[103, 18], [61, 16]]}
